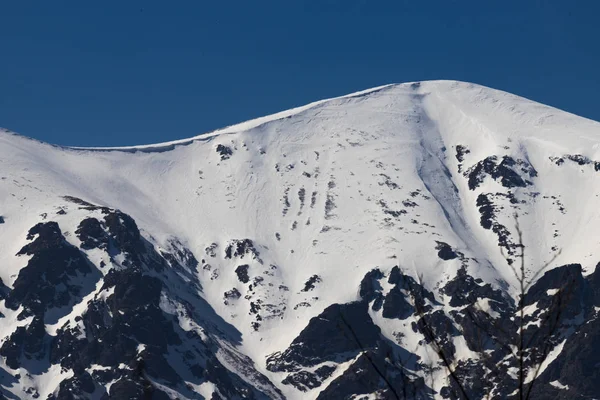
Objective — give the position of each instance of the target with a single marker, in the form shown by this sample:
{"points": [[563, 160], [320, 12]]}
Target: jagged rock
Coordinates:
{"points": [[488, 211], [232, 294], [576, 370], [305, 380], [370, 288], [445, 252], [211, 250], [242, 273], [464, 290], [72, 388], [418, 294], [339, 329], [25, 342], [310, 283], [371, 375], [3, 292], [578, 159], [124, 233], [508, 172], [395, 305], [51, 277], [461, 151], [91, 234], [224, 151], [241, 248]]}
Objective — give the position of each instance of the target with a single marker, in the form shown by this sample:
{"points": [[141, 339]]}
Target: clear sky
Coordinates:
{"points": [[130, 72]]}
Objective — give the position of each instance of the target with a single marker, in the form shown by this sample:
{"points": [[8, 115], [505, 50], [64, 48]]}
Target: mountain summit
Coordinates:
{"points": [[397, 242]]}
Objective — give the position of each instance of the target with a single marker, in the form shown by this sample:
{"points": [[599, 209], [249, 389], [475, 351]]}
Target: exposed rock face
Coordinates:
{"points": [[339, 329], [311, 282], [578, 159], [341, 334], [129, 335], [240, 248], [371, 375], [445, 252], [509, 172], [481, 315], [51, 278], [242, 273], [484, 330], [130, 321], [92, 235], [224, 151]]}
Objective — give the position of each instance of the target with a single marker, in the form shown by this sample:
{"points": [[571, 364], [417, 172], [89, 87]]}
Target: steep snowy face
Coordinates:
{"points": [[363, 245]]}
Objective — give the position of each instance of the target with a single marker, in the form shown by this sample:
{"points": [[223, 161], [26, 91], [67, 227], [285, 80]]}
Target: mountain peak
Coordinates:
{"points": [[244, 244]]}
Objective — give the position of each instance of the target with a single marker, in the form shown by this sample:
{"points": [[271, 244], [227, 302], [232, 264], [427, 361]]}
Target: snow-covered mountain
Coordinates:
{"points": [[358, 247]]}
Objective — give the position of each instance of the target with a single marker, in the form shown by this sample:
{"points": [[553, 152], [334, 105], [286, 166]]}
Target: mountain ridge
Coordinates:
{"points": [[281, 114], [393, 206]]}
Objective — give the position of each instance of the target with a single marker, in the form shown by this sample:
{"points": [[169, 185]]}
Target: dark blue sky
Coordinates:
{"points": [[134, 72]]}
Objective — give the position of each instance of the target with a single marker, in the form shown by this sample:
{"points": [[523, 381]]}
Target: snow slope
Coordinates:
{"points": [[330, 190]]}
